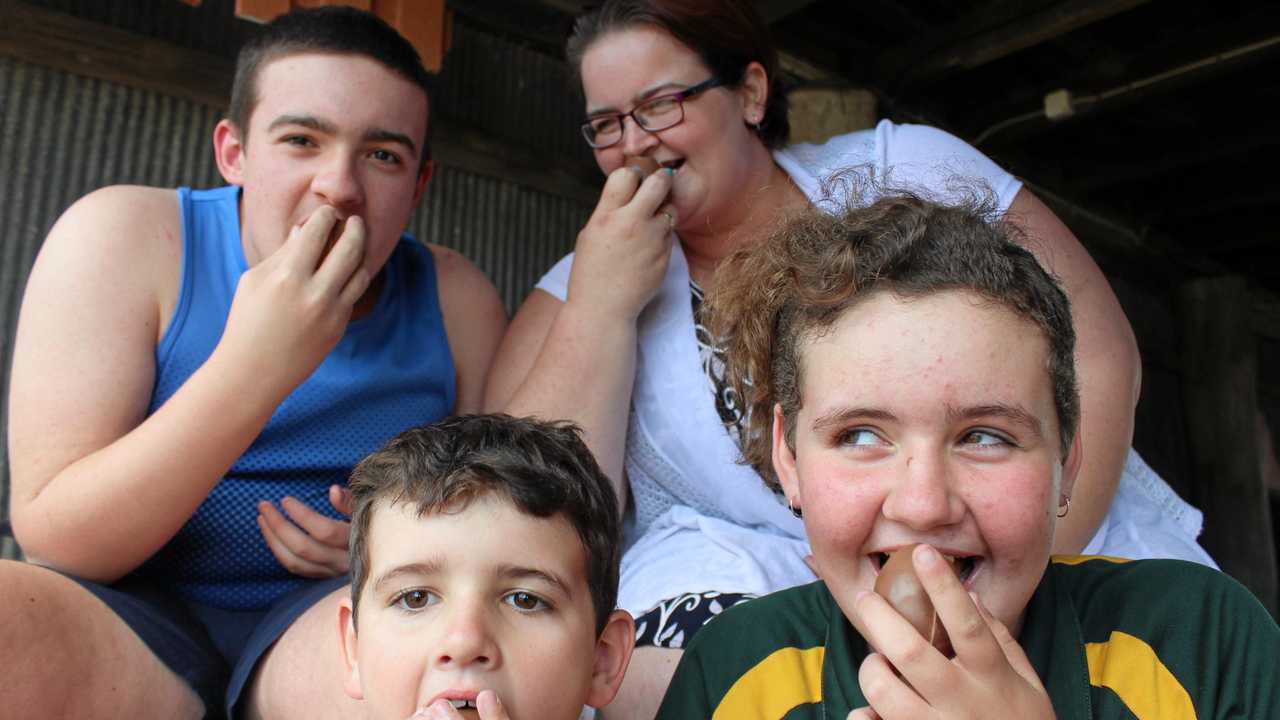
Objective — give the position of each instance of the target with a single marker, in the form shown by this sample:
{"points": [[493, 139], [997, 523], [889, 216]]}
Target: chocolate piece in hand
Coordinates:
{"points": [[897, 583], [645, 164]]}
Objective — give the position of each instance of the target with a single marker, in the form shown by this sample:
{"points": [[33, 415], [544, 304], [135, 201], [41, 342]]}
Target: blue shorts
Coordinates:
{"points": [[215, 651]]}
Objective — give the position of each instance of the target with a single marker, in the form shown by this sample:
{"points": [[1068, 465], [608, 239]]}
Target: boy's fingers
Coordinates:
{"points": [[323, 529], [342, 500], [890, 635], [346, 256], [490, 707], [307, 242], [298, 551], [290, 560]]}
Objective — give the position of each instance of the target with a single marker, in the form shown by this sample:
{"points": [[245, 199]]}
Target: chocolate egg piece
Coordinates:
{"points": [[897, 583], [645, 164]]}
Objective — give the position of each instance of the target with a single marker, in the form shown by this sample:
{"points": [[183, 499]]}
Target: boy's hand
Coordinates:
{"points": [[989, 676], [292, 307], [314, 547], [487, 704]]}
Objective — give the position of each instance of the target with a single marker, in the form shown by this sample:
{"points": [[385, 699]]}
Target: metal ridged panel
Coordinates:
{"points": [[512, 233], [62, 136], [513, 92]]}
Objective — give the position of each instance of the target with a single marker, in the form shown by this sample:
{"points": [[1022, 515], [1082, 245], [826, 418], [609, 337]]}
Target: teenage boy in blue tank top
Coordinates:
{"points": [[196, 372]]}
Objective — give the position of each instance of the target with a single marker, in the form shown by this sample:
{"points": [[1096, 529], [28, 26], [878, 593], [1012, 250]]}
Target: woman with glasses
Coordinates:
{"points": [[612, 338]]}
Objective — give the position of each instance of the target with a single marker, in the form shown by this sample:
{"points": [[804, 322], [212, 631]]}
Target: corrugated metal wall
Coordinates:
{"points": [[62, 136]]}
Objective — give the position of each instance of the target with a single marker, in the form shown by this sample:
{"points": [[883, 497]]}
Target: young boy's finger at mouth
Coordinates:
{"points": [[971, 640]]}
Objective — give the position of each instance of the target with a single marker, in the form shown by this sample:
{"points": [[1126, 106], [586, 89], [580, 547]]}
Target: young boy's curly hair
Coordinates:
{"points": [[770, 298]]}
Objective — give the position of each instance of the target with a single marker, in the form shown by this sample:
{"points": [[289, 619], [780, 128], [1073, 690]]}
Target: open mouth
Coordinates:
{"points": [[463, 704], [965, 564], [673, 165]]}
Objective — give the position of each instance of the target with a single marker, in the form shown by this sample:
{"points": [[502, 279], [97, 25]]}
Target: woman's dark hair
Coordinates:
{"points": [[727, 34]]}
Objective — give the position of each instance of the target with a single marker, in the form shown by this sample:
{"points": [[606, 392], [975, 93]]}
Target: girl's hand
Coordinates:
{"points": [[990, 674]]}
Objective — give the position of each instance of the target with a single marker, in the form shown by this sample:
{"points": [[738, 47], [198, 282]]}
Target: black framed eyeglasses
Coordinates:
{"points": [[652, 115]]}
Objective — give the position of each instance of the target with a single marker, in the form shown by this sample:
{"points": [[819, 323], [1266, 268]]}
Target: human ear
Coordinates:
{"points": [[428, 168], [784, 459], [228, 151], [613, 654], [754, 92], [347, 632]]}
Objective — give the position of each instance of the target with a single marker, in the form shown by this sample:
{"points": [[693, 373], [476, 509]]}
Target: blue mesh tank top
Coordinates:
{"points": [[391, 370]]}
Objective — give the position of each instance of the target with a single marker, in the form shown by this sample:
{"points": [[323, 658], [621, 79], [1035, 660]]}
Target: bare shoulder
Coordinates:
{"points": [[474, 320], [461, 282], [124, 225]]}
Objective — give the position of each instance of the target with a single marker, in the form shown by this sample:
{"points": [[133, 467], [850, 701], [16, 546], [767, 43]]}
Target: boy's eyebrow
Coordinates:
{"points": [[843, 415], [321, 125], [307, 121], [640, 98], [412, 569], [521, 572], [1012, 413]]}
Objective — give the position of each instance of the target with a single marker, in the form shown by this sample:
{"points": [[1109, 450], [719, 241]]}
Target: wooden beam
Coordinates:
{"points": [[426, 24], [1220, 389], [958, 48], [39, 36], [261, 11]]}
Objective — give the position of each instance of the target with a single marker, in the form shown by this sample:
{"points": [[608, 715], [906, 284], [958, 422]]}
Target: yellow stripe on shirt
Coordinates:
{"points": [[783, 680], [1077, 559], [1133, 671]]}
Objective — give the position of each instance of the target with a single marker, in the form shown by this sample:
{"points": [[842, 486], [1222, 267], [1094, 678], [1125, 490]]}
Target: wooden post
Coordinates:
{"points": [[1220, 389]]}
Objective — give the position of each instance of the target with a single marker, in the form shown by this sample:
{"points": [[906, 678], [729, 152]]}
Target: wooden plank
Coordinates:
{"points": [[426, 24], [43, 37], [357, 4], [261, 11], [1220, 389]]}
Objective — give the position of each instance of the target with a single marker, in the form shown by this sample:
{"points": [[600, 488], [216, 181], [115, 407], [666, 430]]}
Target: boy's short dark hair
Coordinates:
{"points": [[336, 30], [772, 297], [543, 468]]}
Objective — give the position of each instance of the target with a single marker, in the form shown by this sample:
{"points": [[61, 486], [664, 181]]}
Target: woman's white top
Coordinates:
{"points": [[702, 520]]}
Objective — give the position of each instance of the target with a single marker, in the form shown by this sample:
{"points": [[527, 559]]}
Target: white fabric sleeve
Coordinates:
{"points": [[939, 164], [556, 280]]}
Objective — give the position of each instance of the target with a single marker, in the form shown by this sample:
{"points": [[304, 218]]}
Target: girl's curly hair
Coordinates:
{"points": [[768, 299]]}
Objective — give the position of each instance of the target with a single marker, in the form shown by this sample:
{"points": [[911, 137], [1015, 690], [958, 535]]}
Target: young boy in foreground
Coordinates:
{"points": [[484, 575], [915, 386]]}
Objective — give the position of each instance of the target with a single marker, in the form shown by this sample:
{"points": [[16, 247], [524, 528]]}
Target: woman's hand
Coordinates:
{"points": [[990, 675], [622, 252]]}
